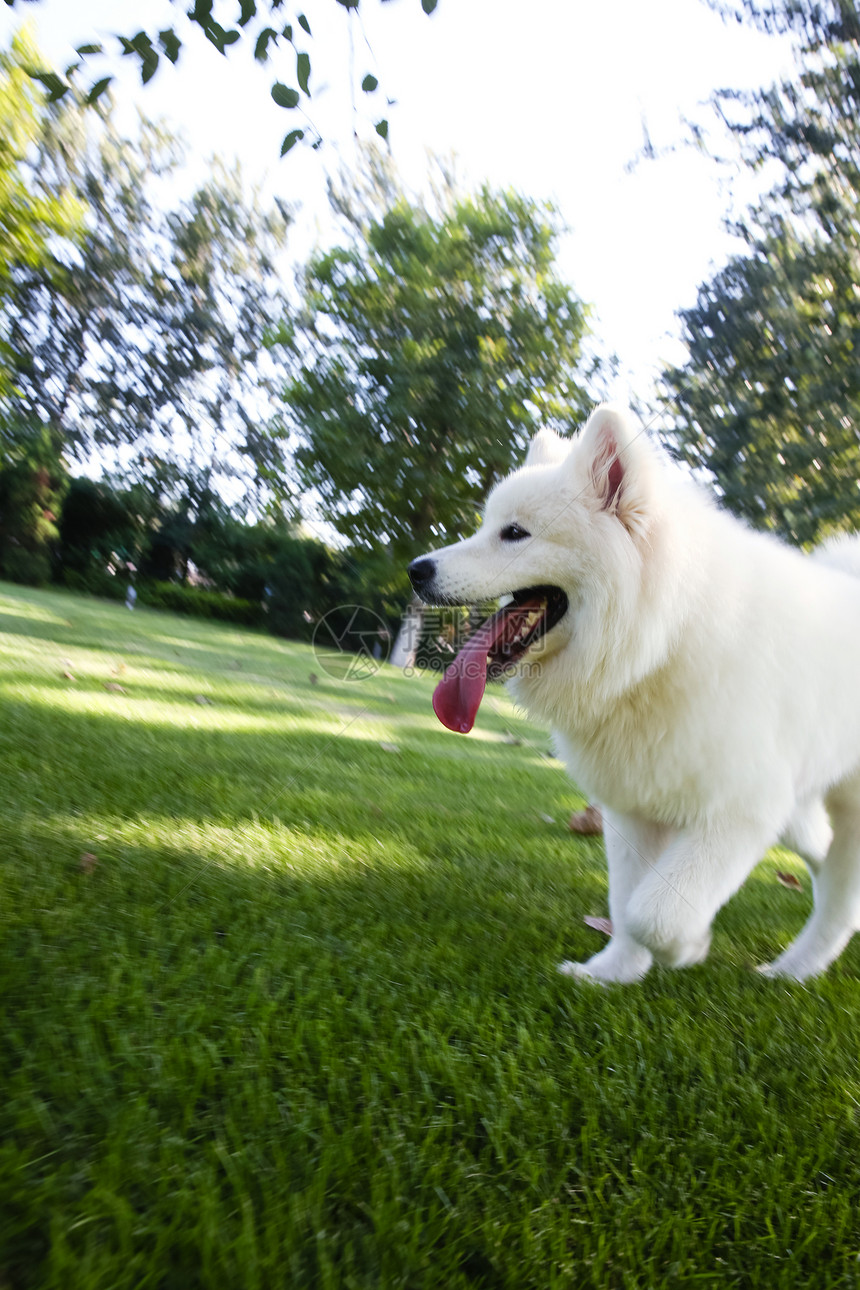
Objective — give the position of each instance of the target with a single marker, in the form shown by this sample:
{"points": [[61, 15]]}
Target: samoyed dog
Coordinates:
{"points": [[702, 682]]}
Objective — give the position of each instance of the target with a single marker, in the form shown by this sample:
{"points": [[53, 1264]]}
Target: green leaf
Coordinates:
{"points": [[148, 67], [381, 128], [291, 140], [247, 11], [284, 96], [98, 89], [170, 43], [53, 83], [71, 69], [83, 50], [304, 24], [141, 44], [219, 36], [303, 71], [261, 49], [369, 84], [429, 5]]}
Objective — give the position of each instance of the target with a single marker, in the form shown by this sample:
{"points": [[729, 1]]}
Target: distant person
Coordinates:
{"points": [[130, 597]]}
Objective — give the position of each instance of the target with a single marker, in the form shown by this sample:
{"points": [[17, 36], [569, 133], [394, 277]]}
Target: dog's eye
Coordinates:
{"points": [[514, 533]]}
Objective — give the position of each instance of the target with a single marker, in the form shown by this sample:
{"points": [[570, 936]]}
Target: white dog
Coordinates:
{"points": [[701, 679]]}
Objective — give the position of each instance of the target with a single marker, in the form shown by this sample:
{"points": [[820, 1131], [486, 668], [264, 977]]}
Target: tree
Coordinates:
{"points": [[226, 250], [260, 23], [33, 481], [102, 533], [32, 214], [143, 344], [816, 22], [769, 399], [429, 350]]}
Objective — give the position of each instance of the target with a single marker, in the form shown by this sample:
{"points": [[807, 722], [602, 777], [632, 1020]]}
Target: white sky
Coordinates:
{"points": [[546, 96]]}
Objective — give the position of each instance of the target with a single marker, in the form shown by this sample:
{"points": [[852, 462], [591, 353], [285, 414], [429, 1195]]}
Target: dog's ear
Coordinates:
{"points": [[546, 449], [619, 460]]}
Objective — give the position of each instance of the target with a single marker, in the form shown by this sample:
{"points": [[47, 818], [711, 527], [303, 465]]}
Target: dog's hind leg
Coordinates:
{"points": [[632, 849], [836, 890], [809, 833]]}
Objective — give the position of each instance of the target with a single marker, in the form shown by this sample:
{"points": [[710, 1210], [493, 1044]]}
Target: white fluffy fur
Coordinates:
{"points": [[703, 687]]}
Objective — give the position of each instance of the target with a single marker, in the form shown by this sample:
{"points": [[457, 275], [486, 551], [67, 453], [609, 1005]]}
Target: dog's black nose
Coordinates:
{"points": [[421, 573]]}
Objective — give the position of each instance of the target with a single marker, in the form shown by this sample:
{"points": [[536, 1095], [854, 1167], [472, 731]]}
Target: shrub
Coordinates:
{"points": [[298, 586], [19, 564], [95, 582], [200, 602]]}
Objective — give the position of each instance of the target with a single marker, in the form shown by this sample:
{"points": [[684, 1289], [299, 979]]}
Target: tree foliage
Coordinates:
{"points": [[99, 525], [142, 343], [32, 213], [769, 398], [430, 348], [272, 29], [33, 482], [815, 22]]}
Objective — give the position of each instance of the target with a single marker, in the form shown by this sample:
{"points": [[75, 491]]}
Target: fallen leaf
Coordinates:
{"points": [[589, 822], [789, 880], [119, 669], [69, 676], [201, 698], [392, 748], [599, 924], [113, 688], [547, 819], [87, 862], [313, 678]]}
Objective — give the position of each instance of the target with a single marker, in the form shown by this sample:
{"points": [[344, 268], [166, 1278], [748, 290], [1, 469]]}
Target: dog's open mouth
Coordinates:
{"points": [[499, 643]]}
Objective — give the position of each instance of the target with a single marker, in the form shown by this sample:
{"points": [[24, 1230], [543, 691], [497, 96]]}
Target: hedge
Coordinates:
{"points": [[200, 602]]}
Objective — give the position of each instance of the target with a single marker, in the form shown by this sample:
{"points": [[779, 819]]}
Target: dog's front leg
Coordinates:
{"points": [[633, 847], [671, 910]]}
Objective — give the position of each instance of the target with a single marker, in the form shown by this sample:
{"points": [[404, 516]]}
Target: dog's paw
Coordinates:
{"points": [[786, 968], [612, 966], [579, 970], [671, 946]]}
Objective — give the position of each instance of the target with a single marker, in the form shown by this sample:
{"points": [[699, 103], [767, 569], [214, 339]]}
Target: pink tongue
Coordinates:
{"points": [[458, 695]]}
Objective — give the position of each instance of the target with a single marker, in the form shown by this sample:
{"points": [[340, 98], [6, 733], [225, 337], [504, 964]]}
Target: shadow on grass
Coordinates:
{"points": [[124, 763]]}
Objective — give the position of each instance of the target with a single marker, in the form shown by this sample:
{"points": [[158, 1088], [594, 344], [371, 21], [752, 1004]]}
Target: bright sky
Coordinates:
{"points": [[546, 96]]}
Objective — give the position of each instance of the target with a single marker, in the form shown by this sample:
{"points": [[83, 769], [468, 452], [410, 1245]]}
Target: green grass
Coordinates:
{"points": [[298, 1025]]}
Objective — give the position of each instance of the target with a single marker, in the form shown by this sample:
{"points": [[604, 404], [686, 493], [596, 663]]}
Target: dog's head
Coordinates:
{"points": [[563, 524]]}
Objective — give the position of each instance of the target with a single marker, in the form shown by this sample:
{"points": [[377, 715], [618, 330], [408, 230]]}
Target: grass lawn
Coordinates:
{"points": [[293, 1020]]}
